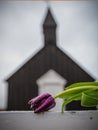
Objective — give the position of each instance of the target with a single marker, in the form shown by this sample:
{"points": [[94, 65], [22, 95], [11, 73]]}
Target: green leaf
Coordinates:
{"points": [[82, 84], [69, 94], [92, 93], [75, 97], [73, 91], [87, 92], [89, 99]]}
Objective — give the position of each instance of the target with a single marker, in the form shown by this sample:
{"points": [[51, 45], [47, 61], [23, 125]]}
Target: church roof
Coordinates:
{"points": [[51, 57]]}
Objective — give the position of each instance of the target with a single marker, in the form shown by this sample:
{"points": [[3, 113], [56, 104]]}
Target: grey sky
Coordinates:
{"points": [[21, 35]]}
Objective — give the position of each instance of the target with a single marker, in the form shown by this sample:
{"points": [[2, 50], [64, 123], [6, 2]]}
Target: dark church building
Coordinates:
{"points": [[50, 70]]}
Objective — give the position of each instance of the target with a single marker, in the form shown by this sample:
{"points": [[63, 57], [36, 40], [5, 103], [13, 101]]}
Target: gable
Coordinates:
{"points": [[51, 57]]}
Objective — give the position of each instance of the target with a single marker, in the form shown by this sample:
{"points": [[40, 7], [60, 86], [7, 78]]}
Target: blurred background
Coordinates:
{"points": [[21, 35]]}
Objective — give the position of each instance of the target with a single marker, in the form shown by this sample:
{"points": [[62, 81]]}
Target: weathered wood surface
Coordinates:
{"points": [[27, 120]]}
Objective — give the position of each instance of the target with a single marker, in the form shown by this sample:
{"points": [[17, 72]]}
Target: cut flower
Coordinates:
{"points": [[86, 92], [42, 103]]}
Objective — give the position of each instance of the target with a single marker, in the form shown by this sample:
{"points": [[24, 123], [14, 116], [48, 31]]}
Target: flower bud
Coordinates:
{"points": [[42, 103]]}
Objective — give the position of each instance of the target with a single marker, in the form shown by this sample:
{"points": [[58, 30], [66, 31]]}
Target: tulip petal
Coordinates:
{"points": [[38, 98], [50, 107], [46, 104]]}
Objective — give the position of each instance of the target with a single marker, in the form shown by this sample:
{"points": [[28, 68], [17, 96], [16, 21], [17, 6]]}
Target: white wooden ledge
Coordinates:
{"points": [[27, 120]]}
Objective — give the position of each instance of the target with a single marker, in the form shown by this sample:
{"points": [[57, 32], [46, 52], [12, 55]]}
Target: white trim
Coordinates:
{"points": [[53, 83], [51, 77]]}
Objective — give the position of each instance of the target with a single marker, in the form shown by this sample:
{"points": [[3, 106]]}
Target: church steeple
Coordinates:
{"points": [[49, 29]]}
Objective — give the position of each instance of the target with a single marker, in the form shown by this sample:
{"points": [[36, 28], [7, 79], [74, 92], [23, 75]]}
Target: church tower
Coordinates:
{"points": [[49, 29]]}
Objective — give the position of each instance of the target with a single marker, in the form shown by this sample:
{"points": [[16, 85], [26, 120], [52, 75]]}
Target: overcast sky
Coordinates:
{"points": [[21, 35]]}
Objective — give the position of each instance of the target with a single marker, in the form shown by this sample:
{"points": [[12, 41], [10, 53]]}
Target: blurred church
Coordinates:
{"points": [[48, 71]]}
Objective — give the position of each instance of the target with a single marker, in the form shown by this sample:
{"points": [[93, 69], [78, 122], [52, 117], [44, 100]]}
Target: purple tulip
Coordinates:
{"points": [[42, 103]]}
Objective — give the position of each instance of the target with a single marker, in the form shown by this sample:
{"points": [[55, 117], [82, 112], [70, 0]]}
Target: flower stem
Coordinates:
{"points": [[70, 90]]}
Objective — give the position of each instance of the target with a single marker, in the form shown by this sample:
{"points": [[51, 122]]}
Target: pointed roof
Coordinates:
{"points": [[51, 57], [49, 20]]}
